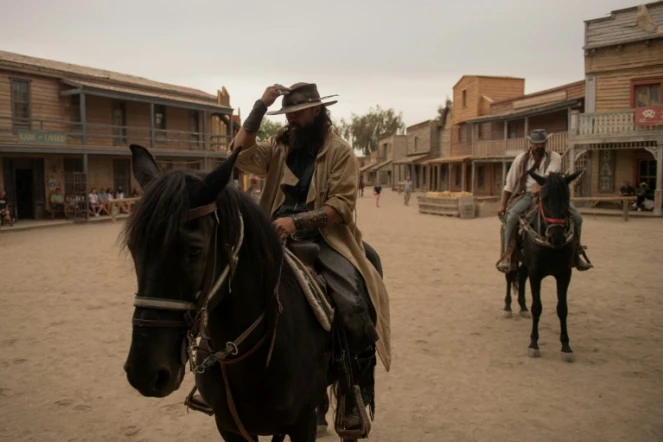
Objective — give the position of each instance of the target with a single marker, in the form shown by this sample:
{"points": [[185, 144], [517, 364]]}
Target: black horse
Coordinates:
{"points": [[208, 261], [548, 247]]}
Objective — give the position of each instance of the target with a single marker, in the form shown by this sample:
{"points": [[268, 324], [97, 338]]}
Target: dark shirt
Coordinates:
{"points": [[377, 189], [3, 203], [302, 165], [627, 190]]}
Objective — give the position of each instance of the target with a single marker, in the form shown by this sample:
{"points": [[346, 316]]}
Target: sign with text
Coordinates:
{"points": [[39, 137], [649, 116]]}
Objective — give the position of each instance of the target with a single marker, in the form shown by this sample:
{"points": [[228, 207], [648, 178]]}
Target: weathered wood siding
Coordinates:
{"points": [[613, 89], [461, 112], [498, 89], [425, 135], [53, 113], [620, 27], [630, 56]]}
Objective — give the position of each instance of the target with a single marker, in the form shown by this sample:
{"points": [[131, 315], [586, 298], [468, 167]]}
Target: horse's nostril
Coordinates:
{"points": [[163, 378]]}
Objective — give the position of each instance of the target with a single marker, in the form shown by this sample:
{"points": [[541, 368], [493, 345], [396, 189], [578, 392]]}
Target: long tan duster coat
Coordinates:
{"points": [[334, 183]]}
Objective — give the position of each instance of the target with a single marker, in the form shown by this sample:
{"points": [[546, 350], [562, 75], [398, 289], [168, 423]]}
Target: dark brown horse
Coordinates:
{"points": [[548, 249], [208, 261]]}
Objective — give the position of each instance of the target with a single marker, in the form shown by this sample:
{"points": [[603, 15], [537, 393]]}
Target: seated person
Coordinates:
{"points": [[641, 194], [627, 189], [57, 199], [95, 207], [5, 216]]}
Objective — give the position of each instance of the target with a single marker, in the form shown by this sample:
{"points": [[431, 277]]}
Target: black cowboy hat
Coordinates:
{"points": [[302, 96], [538, 136]]}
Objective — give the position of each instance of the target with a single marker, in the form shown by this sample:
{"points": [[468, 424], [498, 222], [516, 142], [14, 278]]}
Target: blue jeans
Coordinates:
{"points": [[513, 215]]}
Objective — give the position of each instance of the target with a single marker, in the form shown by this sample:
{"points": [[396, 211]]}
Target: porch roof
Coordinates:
{"points": [[456, 159], [365, 167], [530, 112], [411, 159], [131, 93], [383, 164]]}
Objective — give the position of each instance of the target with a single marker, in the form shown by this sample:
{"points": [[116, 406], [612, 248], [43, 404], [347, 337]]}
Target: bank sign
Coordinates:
{"points": [[649, 116], [39, 137]]}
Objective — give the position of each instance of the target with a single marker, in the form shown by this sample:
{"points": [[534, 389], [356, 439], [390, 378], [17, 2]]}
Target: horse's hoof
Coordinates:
{"points": [[533, 353], [322, 431], [567, 357], [525, 314], [508, 314]]}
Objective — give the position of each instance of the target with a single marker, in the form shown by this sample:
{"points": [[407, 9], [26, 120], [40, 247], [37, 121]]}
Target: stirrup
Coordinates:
{"points": [[365, 426], [197, 403]]}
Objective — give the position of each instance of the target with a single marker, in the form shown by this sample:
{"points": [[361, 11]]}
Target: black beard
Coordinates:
{"points": [[309, 139]]}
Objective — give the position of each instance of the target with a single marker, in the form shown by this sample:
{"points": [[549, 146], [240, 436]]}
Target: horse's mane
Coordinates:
{"points": [[556, 193], [158, 218], [159, 215]]}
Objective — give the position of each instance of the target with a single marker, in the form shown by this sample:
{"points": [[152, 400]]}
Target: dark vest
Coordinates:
{"points": [[302, 165]]}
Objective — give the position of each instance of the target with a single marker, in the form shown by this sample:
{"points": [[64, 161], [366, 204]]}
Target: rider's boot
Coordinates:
{"points": [[363, 368], [578, 262], [504, 264]]}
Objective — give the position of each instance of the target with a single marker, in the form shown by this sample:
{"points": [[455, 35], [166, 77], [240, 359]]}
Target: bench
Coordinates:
{"points": [[53, 211], [594, 200], [116, 202]]}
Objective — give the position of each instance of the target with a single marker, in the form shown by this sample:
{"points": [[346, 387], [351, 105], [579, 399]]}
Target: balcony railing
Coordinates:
{"points": [[24, 131], [610, 125], [558, 142]]}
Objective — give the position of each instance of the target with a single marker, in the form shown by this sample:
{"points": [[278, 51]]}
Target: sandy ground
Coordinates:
{"points": [[460, 370]]}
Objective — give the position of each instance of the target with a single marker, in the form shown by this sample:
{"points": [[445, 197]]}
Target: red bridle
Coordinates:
{"points": [[553, 221]]}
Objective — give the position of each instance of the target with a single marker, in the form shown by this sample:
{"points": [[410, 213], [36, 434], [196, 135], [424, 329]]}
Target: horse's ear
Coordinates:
{"points": [[573, 176], [145, 167], [219, 178], [538, 178]]}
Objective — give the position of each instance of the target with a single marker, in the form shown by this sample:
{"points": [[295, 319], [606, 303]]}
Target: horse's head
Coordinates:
{"points": [[554, 205], [171, 245]]}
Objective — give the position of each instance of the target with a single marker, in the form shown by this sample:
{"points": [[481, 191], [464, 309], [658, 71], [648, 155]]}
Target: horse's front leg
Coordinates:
{"points": [[522, 279], [535, 285], [562, 310], [507, 300]]}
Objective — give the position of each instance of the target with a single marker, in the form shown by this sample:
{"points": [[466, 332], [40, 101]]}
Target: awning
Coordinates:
{"points": [[457, 159], [366, 167], [383, 164], [130, 93], [411, 159], [530, 112]]}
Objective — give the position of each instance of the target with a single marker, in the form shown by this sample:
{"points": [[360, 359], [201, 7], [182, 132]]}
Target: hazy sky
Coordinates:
{"points": [[401, 54]]}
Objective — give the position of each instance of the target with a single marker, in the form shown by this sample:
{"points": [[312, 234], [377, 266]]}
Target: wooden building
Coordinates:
{"points": [[422, 145], [383, 171], [619, 136], [473, 96], [59, 120], [438, 168], [497, 138]]}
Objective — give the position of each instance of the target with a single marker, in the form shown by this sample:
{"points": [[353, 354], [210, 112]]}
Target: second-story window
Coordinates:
{"points": [[194, 129], [160, 122], [119, 123], [20, 90], [75, 113], [645, 95], [464, 99]]}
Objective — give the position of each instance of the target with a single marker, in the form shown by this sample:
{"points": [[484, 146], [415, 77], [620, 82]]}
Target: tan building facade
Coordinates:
{"points": [[67, 126], [619, 136]]}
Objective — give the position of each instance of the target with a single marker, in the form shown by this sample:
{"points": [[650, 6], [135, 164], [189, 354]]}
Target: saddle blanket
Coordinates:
{"points": [[314, 293]]}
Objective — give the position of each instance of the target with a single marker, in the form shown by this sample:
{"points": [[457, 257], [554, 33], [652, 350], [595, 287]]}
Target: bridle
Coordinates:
{"points": [[549, 223], [195, 317]]}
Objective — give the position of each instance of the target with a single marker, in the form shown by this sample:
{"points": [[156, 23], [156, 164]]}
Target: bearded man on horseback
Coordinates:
{"points": [[311, 187], [518, 191]]}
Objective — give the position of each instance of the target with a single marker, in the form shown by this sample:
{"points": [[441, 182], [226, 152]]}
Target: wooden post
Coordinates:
{"points": [[230, 131], [439, 177], [87, 188], [572, 166], [463, 177], [503, 174], [526, 126], [473, 175], [658, 193], [152, 125], [204, 144], [449, 178], [625, 208], [83, 118]]}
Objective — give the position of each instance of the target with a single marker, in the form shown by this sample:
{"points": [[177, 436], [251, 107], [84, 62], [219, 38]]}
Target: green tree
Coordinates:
{"points": [[268, 128], [364, 131]]}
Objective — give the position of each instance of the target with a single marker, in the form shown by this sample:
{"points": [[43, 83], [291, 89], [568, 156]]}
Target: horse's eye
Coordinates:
{"points": [[193, 251]]}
